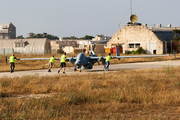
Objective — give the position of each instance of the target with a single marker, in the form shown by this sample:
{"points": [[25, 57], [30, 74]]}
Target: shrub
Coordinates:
{"points": [[138, 51], [61, 51]]}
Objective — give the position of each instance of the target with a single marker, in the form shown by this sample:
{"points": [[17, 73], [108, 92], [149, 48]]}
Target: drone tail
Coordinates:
{"points": [[117, 51]]}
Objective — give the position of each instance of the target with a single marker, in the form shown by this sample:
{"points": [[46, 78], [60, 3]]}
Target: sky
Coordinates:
{"points": [[64, 18]]}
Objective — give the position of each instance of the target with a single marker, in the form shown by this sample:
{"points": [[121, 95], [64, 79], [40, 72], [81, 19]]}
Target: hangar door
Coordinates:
{"points": [[151, 48]]}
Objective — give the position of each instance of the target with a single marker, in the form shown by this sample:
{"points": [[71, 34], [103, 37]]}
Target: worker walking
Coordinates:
{"points": [[51, 61], [108, 58], [63, 63], [11, 61]]}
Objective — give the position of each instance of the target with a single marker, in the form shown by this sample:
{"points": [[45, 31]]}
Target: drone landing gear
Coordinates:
{"points": [[75, 69]]}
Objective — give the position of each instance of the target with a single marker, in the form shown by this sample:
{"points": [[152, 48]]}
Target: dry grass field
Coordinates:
{"points": [[152, 94], [35, 64]]}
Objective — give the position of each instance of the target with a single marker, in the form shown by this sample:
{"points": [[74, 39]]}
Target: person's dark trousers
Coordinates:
{"points": [[12, 66]]}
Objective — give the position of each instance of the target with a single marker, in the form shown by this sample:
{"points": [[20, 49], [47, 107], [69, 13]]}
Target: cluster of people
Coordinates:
{"points": [[51, 62], [63, 63]]}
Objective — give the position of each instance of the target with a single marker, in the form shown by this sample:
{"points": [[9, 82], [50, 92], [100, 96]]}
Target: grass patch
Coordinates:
{"points": [[133, 94]]}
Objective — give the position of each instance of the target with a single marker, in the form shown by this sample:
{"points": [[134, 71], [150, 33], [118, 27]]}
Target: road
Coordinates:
{"points": [[96, 69]]}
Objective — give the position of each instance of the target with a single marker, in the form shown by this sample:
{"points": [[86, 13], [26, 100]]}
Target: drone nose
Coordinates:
{"points": [[78, 62]]}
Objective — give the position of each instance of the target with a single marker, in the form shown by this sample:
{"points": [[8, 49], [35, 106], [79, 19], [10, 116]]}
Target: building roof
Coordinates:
{"points": [[164, 33], [37, 43]]}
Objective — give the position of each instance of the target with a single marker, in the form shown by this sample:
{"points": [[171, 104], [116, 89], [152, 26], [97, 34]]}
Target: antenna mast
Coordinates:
{"points": [[131, 6], [127, 15]]}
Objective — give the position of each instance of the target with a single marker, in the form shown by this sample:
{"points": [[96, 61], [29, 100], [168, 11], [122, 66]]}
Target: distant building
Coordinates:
{"points": [[54, 45], [154, 40], [7, 31], [83, 42], [63, 43], [101, 38], [25, 46], [68, 49], [60, 44], [79, 50], [71, 49], [99, 48]]}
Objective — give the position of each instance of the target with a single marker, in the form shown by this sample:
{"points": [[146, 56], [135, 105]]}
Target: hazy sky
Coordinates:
{"points": [[78, 18]]}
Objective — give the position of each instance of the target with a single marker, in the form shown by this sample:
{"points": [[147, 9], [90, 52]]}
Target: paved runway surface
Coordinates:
{"points": [[96, 69]]}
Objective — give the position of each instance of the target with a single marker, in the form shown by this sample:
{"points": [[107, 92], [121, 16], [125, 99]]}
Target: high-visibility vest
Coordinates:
{"points": [[52, 59], [63, 58], [12, 59], [108, 58]]}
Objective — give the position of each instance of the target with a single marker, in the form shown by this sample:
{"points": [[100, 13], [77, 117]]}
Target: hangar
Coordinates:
{"points": [[25, 46], [154, 40]]}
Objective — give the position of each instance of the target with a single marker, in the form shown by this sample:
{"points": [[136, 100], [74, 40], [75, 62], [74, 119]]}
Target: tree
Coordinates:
{"points": [[20, 37], [176, 39], [87, 37], [39, 35], [31, 35], [100, 35], [45, 35]]}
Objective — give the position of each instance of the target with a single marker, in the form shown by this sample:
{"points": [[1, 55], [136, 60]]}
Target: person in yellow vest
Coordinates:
{"points": [[51, 61], [11, 61], [108, 58], [63, 63]]}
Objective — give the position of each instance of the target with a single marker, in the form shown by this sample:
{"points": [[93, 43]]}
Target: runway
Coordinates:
{"points": [[96, 69]]}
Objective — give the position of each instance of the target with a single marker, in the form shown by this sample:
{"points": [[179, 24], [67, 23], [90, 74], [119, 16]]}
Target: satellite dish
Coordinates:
{"points": [[133, 18]]}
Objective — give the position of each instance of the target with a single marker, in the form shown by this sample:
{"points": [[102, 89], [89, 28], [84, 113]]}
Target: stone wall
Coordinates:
{"points": [[136, 34]]}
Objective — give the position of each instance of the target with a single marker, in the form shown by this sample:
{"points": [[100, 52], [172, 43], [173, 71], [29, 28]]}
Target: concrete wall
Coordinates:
{"points": [[137, 35], [2, 51], [6, 51], [9, 51], [47, 47], [4, 35]]}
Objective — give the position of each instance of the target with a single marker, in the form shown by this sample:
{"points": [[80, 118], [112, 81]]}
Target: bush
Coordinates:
{"points": [[138, 51], [61, 51]]}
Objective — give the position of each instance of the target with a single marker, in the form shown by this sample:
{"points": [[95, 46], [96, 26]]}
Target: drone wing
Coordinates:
{"points": [[140, 56], [70, 59], [135, 56]]}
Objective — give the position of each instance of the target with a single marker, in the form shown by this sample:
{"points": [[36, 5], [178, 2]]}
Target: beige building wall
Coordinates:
{"points": [[98, 48], [68, 49], [54, 45], [136, 35], [67, 43]]}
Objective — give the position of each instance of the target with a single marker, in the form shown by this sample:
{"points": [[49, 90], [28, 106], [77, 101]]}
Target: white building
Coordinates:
{"points": [[154, 40]]}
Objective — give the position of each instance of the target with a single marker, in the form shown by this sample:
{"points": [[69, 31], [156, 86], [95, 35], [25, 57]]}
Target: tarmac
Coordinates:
{"points": [[96, 69]]}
